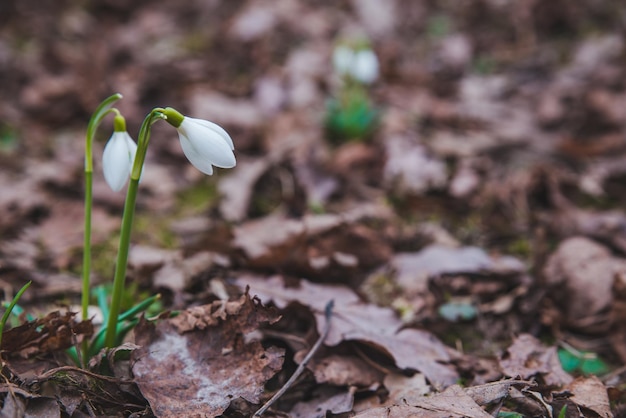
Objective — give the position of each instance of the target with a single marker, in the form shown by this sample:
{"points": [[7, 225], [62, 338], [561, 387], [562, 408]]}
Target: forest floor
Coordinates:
{"points": [[473, 242]]}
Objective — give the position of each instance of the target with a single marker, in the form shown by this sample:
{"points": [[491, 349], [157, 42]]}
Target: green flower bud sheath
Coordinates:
{"points": [[174, 117]]}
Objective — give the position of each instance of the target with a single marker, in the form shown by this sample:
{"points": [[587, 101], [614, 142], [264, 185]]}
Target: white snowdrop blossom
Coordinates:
{"points": [[342, 59], [360, 64], [365, 66], [206, 144], [117, 160]]}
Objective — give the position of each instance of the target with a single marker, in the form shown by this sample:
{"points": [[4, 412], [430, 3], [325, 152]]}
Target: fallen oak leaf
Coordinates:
{"points": [[357, 321], [527, 357], [590, 393], [494, 391], [451, 403], [53, 332], [196, 363]]}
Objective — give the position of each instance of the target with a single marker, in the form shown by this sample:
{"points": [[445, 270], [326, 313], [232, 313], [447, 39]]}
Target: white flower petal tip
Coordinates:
{"points": [[365, 66], [206, 144], [117, 160], [342, 59]]}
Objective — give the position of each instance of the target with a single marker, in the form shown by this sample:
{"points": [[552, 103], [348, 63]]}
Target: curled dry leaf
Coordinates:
{"points": [[323, 400], [340, 370], [590, 393], [325, 246], [196, 363], [582, 273], [451, 403], [494, 391], [414, 269], [404, 389], [354, 320], [527, 357], [53, 332]]}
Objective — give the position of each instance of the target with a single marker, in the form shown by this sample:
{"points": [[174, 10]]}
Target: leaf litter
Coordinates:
{"points": [[493, 186]]}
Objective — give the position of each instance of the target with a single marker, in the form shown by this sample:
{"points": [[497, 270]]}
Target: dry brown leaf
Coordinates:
{"points": [[197, 362], [406, 390], [326, 246], [527, 357], [323, 400], [590, 393], [582, 273], [414, 269], [451, 403], [18, 403], [44, 335], [357, 321], [410, 170], [340, 370], [494, 391]]}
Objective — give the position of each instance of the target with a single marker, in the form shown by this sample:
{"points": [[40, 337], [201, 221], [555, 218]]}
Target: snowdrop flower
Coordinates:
{"points": [[365, 66], [204, 143], [342, 59], [360, 64], [118, 157]]}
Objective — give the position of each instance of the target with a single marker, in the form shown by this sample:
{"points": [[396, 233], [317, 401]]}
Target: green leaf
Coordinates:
{"points": [[584, 362]]}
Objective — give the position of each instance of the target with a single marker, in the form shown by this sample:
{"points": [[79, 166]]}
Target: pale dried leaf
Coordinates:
{"points": [[494, 391], [451, 403], [409, 390], [527, 357], [196, 363], [340, 370], [324, 400], [358, 321], [582, 273], [590, 393], [414, 269]]}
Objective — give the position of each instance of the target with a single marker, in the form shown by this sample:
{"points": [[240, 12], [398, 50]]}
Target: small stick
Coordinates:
{"points": [[328, 312]]}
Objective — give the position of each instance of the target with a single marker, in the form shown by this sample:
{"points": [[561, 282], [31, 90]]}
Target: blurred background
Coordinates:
{"points": [[501, 122]]}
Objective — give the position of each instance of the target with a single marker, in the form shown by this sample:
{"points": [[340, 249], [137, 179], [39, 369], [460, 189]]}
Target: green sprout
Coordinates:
{"points": [[350, 115], [9, 309]]}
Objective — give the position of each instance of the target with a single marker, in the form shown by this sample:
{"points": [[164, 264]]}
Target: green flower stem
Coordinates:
{"points": [[101, 111], [119, 280], [122, 259], [87, 243]]}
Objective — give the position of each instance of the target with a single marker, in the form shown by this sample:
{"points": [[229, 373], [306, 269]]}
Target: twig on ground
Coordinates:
{"points": [[328, 312]]}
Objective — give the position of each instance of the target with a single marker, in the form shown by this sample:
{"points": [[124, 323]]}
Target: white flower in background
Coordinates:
{"points": [[365, 66], [204, 143], [342, 59], [359, 64], [117, 160]]}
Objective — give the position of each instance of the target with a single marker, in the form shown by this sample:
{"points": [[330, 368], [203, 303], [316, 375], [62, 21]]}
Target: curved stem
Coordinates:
{"points": [[127, 223], [101, 111]]}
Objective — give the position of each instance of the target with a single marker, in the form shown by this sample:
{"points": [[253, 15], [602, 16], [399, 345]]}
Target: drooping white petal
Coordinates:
{"points": [[215, 127], [204, 144], [194, 157], [365, 66], [117, 159]]}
